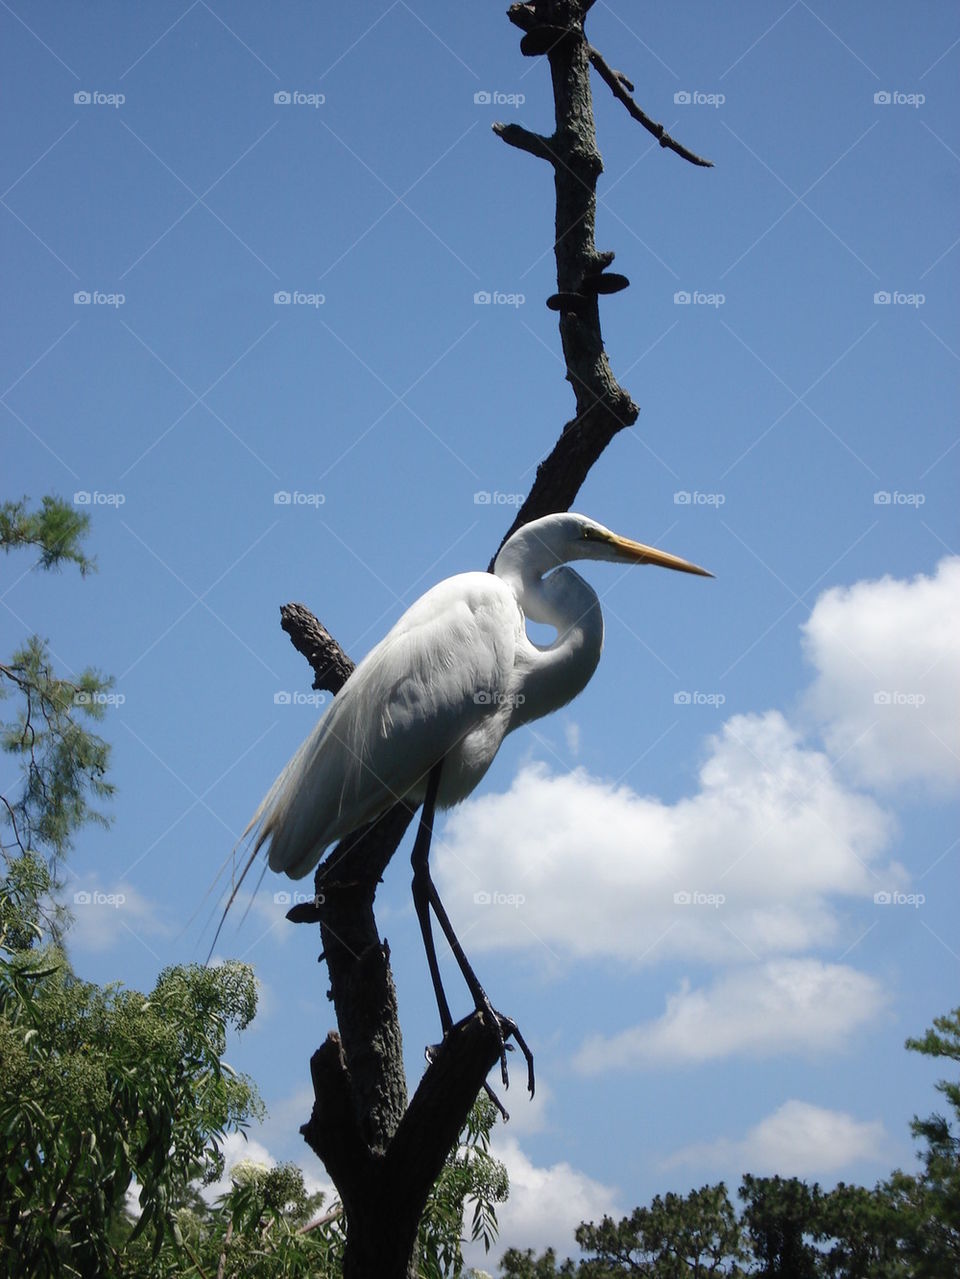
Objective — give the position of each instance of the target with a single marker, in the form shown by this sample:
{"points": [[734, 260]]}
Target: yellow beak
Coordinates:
{"points": [[638, 553]]}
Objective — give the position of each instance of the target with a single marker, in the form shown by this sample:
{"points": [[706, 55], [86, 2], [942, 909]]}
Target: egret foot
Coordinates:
{"points": [[506, 1028], [513, 1030]]}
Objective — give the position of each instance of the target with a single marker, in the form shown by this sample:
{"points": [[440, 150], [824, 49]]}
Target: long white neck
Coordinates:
{"points": [[555, 673]]}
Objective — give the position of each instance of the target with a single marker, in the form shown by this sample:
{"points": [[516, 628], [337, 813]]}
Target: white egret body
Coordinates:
{"points": [[423, 715], [455, 674]]}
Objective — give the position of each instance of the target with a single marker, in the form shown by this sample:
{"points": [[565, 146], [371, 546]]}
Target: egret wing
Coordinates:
{"points": [[440, 674]]}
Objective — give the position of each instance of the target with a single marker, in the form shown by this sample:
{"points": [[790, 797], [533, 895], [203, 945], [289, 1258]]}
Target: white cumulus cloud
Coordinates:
{"points": [[797, 1140], [575, 866], [545, 1206], [887, 688], [783, 1005]]}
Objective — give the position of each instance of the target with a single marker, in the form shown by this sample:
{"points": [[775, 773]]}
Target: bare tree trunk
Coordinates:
{"points": [[382, 1154]]}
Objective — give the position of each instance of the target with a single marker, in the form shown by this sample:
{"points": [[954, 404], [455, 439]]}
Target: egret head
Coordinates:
{"points": [[559, 539]]}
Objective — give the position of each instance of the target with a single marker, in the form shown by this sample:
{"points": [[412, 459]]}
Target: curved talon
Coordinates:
{"points": [[514, 1030], [497, 1102], [489, 1013], [507, 1027]]}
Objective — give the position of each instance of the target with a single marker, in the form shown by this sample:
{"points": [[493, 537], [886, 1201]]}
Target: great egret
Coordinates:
{"points": [[423, 715]]}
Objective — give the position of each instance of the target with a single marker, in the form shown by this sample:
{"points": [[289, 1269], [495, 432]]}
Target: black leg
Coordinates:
{"points": [[421, 891], [425, 895]]}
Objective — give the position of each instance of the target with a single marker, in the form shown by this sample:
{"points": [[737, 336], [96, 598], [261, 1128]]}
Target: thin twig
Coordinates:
{"points": [[616, 81], [335, 1214]]}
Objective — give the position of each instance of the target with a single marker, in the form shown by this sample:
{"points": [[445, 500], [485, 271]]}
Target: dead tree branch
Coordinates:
{"points": [[331, 665], [619, 84], [554, 28]]}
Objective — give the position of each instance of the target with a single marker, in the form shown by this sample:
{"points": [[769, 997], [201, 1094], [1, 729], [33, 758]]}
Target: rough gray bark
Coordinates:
{"points": [[382, 1154]]}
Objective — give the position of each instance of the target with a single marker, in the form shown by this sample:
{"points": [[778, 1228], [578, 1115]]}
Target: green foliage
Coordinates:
{"points": [[860, 1232], [907, 1227], [57, 530], [63, 763], [779, 1215], [524, 1265], [930, 1203], [787, 1228], [24, 886], [105, 1085], [267, 1226], [675, 1237]]}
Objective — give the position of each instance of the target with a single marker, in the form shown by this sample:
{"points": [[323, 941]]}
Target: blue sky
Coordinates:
{"points": [[783, 738]]}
